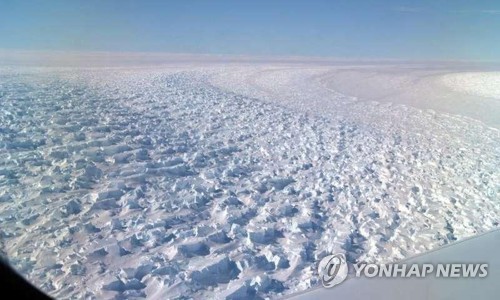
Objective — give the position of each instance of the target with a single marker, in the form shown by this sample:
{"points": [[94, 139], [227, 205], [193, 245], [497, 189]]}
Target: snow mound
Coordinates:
{"points": [[484, 84]]}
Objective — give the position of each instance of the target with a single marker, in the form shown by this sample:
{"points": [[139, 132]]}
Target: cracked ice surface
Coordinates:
{"points": [[155, 183]]}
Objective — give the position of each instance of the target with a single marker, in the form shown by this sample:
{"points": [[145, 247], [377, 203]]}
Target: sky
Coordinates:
{"points": [[438, 29]]}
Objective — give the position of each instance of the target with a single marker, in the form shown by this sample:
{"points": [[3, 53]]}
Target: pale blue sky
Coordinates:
{"points": [[438, 29]]}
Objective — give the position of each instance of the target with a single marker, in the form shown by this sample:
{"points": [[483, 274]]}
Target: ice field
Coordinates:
{"points": [[203, 179]]}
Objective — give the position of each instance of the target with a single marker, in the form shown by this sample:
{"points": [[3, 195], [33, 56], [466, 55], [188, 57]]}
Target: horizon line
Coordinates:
{"points": [[20, 54]]}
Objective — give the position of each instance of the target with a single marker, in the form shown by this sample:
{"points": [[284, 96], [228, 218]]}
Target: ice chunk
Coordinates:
{"points": [[220, 271]]}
